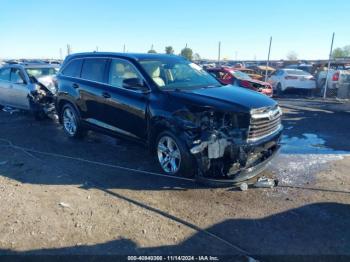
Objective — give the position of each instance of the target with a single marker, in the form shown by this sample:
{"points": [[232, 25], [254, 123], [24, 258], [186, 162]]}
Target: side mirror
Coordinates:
{"points": [[135, 84]]}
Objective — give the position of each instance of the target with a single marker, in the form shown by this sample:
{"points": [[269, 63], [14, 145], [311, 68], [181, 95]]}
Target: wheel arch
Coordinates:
{"points": [[157, 126], [61, 104]]}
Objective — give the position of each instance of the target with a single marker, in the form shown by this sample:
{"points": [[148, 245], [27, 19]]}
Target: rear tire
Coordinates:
{"points": [[71, 122], [173, 155]]}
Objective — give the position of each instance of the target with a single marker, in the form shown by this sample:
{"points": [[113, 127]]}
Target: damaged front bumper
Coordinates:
{"points": [[41, 99], [221, 161], [242, 175]]}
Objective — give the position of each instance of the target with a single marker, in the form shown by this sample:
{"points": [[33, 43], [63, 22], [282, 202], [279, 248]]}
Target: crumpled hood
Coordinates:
{"points": [[227, 98], [48, 82]]}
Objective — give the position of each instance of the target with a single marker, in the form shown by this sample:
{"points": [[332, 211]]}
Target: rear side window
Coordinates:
{"points": [[73, 69], [17, 76], [94, 69], [5, 74]]}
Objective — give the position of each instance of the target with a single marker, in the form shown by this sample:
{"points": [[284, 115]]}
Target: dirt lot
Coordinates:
{"points": [[63, 196]]}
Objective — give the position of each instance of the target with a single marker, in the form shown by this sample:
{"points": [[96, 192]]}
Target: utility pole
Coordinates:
{"points": [[124, 48], [61, 54], [69, 50], [268, 59], [329, 65], [96, 48], [219, 53]]}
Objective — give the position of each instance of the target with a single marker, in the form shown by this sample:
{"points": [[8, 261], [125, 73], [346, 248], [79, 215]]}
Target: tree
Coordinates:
{"points": [[169, 50], [187, 53], [152, 51], [341, 52], [292, 55]]}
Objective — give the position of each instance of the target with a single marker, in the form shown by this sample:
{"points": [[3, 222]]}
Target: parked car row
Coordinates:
{"points": [[235, 77], [334, 78]]}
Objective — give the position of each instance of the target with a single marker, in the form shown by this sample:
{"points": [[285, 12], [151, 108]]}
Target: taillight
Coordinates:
{"points": [[335, 76], [290, 77]]}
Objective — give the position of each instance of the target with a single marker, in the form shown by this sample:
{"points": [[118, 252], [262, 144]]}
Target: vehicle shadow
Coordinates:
{"points": [[315, 232]]}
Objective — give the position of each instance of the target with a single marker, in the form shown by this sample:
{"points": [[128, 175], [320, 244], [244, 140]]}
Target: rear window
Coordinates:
{"points": [[94, 69], [297, 72], [73, 68]]}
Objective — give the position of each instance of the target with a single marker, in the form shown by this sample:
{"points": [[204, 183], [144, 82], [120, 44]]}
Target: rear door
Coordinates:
{"points": [[19, 91], [91, 87]]}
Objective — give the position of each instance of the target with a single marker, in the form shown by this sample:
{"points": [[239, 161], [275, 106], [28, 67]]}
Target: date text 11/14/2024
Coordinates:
{"points": [[173, 258]]}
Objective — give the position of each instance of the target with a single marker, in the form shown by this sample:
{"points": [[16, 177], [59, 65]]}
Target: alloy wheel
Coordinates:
{"points": [[169, 155], [69, 121]]}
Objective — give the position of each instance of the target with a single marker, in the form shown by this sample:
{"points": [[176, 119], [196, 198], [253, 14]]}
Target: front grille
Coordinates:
{"points": [[264, 122]]}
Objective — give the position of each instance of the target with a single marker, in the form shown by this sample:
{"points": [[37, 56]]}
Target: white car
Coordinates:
{"points": [[284, 79]]}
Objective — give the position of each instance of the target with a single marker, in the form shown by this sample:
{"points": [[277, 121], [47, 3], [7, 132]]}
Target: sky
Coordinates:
{"points": [[38, 29]]}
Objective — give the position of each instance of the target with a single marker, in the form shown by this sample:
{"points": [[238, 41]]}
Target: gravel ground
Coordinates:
{"points": [[69, 197]]}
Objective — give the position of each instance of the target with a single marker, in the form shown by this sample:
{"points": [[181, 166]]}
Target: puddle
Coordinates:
{"points": [[307, 144], [302, 158]]}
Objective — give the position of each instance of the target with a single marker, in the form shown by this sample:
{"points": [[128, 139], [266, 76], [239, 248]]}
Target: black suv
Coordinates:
{"points": [[194, 124]]}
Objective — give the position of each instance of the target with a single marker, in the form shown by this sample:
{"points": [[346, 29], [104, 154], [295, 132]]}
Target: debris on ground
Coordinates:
{"points": [[265, 182], [62, 204], [244, 186]]}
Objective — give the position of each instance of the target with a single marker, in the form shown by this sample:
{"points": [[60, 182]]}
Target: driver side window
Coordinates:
{"points": [[17, 76], [121, 70], [5, 74]]}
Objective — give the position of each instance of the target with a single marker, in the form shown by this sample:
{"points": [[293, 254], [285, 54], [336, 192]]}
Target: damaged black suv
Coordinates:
{"points": [[193, 124]]}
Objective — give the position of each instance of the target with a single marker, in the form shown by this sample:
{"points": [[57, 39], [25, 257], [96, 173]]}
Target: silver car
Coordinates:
{"points": [[28, 87]]}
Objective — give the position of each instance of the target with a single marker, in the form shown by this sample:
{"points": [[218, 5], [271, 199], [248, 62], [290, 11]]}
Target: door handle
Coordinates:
{"points": [[11, 86], [75, 85], [106, 95]]}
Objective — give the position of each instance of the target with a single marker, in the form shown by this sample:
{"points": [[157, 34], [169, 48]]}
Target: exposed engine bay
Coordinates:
{"points": [[220, 141], [41, 99]]}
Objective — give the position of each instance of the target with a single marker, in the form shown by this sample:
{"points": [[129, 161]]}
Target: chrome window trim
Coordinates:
{"points": [[109, 127]]}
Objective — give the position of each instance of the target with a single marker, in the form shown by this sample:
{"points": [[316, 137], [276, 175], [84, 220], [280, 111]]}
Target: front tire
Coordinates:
{"points": [[173, 155], [71, 122]]}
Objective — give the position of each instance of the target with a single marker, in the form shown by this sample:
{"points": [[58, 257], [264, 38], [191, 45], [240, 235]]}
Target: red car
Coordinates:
{"points": [[231, 76]]}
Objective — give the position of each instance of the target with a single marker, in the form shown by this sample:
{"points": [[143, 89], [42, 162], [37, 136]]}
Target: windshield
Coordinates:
{"points": [[40, 72], [240, 75], [177, 73]]}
